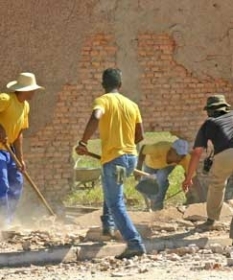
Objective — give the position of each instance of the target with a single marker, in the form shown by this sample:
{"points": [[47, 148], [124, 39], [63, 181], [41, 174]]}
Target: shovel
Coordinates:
{"points": [[39, 194], [136, 171], [148, 186]]}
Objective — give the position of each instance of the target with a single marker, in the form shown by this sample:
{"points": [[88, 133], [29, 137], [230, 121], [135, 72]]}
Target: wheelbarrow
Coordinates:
{"points": [[86, 177]]}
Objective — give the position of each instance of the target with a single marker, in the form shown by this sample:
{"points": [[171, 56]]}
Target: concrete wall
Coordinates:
{"points": [[173, 54]]}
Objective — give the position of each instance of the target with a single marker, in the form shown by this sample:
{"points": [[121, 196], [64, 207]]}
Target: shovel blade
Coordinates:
{"points": [[148, 187]]}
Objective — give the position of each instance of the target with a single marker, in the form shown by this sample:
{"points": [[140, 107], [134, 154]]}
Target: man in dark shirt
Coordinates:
{"points": [[218, 129]]}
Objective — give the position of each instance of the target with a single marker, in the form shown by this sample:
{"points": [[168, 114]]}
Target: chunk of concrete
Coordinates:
{"points": [[169, 227], [95, 234], [197, 212]]}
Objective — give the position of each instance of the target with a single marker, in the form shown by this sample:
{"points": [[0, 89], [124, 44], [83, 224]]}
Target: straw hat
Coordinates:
{"points": [[25, 82]]}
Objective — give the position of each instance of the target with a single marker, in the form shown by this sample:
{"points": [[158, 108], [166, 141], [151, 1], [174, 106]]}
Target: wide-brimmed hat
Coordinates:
{"points": [[25, 82], [216, 101], [181, 147]]}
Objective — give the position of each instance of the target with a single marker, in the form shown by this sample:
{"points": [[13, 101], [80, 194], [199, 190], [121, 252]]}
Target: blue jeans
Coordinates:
{"points": [[11, 184], [162, 179], [114, 209]]}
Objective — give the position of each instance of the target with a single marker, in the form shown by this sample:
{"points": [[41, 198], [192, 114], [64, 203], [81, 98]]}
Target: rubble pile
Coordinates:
{"points": [[176, 263], [172, 262], [27, 239]]}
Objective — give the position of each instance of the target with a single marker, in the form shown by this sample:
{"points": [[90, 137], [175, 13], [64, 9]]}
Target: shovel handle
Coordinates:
{"points": [[29, 179], [142, 173], [93, 155], [136, 171], [176, 193]]}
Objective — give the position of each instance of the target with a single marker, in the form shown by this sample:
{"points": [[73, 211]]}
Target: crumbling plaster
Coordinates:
{"points": [[46, 37]]}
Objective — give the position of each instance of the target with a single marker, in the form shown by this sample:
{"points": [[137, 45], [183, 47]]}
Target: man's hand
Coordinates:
{"points": [[81, 150], [137, 176], [3, 136], [23, 166], [187, 183]]}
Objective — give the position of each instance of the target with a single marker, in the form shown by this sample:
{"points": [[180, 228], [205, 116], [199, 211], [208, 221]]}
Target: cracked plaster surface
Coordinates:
{"points": [[46, 37]]}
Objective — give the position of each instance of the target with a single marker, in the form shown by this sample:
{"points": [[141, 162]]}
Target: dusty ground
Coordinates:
{"points": [[198, 266], [193, 263], [169, 222]]}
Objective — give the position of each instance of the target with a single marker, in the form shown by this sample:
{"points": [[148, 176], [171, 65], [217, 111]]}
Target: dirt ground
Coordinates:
{"points": [[187, 268], [200, 264], [44, 233]]}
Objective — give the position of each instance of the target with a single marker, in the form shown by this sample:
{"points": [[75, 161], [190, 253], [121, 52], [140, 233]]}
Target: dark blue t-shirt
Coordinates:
{"points": [[219, 131]]}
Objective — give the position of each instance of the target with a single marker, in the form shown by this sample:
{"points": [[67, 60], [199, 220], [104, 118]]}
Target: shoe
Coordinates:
{"points": [[157, 208], [157, 205], [108, 232], [147, 209], [130, 253], [206, 226]]}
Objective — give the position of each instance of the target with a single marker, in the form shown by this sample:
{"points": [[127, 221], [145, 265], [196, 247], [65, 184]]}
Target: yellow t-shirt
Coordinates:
{"points": [[13, 115], [156, 156], [117, 125]]}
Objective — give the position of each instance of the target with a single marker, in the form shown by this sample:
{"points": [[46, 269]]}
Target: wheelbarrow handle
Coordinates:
{"points": [[6, 145]]}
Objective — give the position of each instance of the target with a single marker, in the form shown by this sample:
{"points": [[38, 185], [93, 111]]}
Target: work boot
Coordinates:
{"points": [[130, 253], [109, 232], [157, 206], [206, 226]]}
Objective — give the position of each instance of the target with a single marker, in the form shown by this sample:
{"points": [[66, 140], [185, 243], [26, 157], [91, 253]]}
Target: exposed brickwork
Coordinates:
{"points": [[49, 152], [171, 99]]}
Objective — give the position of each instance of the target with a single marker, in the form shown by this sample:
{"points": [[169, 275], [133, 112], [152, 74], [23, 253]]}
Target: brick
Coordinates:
{"points": [[162, 83]]}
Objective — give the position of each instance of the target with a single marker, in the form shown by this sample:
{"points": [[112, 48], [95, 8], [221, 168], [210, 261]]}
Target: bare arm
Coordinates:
{"points": [[138, 133], [3, 136], [195, 158], [141, 158], [91, 127], [18, 147]]}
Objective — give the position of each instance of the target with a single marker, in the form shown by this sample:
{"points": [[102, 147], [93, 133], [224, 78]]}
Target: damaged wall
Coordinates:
{"points": [[173, 54]]}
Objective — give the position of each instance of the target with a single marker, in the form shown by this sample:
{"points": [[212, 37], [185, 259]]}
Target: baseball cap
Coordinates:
{"points": [[181, 147]]}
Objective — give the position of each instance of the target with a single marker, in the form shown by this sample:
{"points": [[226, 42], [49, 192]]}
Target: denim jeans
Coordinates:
{"points": [[162, 179], [114, 208], [11, 184]]}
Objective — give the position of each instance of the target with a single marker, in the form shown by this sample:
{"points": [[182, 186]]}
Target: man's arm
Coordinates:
{"points": [[91, 127], [18, 149], [138, 133], [3, 136], [195, 158], [141, 158]]}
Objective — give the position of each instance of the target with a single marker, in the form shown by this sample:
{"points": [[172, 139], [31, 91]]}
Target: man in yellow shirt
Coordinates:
{"points": [[14, 110], [120, 127], [160, 159]]}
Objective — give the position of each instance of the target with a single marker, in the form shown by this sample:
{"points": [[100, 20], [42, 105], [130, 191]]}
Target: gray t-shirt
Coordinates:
{"points": [[219, 131]]}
